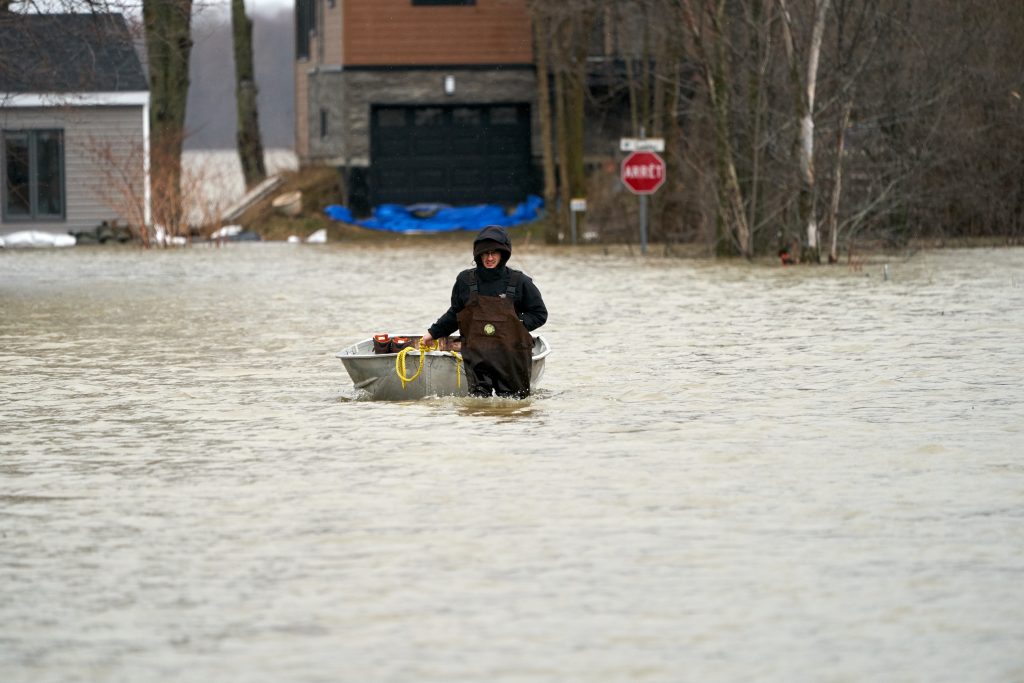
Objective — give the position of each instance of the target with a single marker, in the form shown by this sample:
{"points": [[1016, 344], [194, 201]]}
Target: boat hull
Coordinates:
{"points": [[443, 375]]}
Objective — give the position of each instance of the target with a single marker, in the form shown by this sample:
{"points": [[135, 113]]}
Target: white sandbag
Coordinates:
{"points": [[225, 232], [36, 238]]}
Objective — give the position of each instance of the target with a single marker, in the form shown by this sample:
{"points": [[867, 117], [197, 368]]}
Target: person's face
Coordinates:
{"points": [[490, 259]]}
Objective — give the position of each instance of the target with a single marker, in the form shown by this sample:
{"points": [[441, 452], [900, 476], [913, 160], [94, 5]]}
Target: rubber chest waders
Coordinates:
{"points": [[496, 346]]}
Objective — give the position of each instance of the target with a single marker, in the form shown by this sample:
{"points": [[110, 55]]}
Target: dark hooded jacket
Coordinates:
{"points": [[528, 302]]}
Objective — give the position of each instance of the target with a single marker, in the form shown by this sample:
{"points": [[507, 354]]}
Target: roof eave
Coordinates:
{"points": [[139, 98]]}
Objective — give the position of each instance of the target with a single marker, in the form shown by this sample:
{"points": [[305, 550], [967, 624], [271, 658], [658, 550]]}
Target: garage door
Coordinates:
{"points": [[464, 154]]}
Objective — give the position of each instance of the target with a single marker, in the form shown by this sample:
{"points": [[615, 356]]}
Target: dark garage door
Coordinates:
{"points": [[463, 154]]}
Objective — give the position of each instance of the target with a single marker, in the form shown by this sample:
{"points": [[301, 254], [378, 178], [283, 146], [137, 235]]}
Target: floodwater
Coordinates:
{"points": [[730, 472]]}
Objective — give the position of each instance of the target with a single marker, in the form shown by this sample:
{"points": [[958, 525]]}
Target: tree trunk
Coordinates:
{"points": [[837, 185], [576, 101], [582, 28], [168, 47], [713, 61], [634, 105], [562, 136], [805, 91], [658, 105], [250, 144], [540, 36], [645, 71], [760, 48]]}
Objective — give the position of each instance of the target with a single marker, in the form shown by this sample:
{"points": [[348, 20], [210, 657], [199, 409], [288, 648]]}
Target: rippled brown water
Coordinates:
{"points": [[730, 472]]}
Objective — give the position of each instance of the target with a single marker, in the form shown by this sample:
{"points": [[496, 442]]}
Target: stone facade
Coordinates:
{"points": [[340, 102], [345, 98]]}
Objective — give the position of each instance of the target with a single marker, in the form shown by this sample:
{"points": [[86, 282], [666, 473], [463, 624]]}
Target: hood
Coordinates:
{"points": [[493, 237]]}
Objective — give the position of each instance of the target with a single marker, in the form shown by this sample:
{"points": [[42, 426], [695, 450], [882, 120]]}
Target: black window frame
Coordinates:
{"points": [[429, 3], [305, 26], [32, 137]]}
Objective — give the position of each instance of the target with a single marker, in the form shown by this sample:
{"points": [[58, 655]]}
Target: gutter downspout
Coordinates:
{"points": [[147, 192]]}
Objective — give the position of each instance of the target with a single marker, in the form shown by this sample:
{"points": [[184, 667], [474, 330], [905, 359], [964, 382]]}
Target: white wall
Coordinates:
{"points": [[103, 162]]}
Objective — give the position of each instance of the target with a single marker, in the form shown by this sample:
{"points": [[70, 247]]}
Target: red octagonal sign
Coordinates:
{"points": [[643, 172]]}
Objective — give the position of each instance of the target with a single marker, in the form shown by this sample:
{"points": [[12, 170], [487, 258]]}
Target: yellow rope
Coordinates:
{"points": [[458, 368], [400, 362], [403, 374]]}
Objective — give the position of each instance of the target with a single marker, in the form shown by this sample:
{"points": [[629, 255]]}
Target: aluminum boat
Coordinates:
{"points": [[380, 375]]}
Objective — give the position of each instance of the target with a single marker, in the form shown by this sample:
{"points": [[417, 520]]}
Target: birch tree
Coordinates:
{"points": [[712, 51], [804, 78], [855, 50]]}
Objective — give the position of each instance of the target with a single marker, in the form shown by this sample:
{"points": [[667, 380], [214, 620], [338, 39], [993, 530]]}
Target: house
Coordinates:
{"points": [[418, 100], [74, 108]]}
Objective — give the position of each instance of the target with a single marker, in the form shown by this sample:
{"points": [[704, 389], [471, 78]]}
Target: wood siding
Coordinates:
{"points": [[103, 163], [394, 32]]}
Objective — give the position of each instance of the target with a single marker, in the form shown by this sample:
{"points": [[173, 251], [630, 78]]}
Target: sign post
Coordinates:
{"points": [[576, 205], [642, 144], [643, 173]]}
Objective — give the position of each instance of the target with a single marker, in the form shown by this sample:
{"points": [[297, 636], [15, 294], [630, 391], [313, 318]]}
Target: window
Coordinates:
{"points": [[305, 23], [323, 123], [33, 170], [466, 116], [391, 118], [428, 117], [504, 116], [443, 2]]}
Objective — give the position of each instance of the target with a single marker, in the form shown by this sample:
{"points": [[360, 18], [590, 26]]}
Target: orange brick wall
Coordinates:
{"points": [[395, 32]]}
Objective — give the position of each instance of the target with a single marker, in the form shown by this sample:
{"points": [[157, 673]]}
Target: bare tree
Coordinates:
{"points": [[711, 48], [168, 46], [804, 76], [541, 41], [250, 144], [564, 30]]}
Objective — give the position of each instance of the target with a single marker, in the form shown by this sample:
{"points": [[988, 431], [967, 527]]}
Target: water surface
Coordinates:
{"points": [[729, 472]]}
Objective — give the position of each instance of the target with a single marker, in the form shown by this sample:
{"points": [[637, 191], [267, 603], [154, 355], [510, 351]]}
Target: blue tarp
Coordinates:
{"points": [[404, 219]]}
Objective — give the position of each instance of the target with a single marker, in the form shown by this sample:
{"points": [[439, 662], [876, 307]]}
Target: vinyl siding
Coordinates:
{"points": [[103, 163]]}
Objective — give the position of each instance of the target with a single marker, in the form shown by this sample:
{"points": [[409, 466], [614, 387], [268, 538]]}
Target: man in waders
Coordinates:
{"points": [[494, 308]]}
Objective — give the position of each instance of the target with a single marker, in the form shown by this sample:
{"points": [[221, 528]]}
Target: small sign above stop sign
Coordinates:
{"points": [[643, 172]]}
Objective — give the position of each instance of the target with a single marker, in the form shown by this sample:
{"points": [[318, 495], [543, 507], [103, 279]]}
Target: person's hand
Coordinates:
{"points": [[426, 339]]}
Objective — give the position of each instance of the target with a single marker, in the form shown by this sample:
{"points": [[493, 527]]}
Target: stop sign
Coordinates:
{"points": [[643, 172]]}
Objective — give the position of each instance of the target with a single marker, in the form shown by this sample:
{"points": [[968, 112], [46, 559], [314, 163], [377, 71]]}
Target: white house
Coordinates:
{"points": [[74, 124]]}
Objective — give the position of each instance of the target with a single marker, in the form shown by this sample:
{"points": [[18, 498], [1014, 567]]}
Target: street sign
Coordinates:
{"points": [[642, 144], [578, 204], [643, 172]]}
